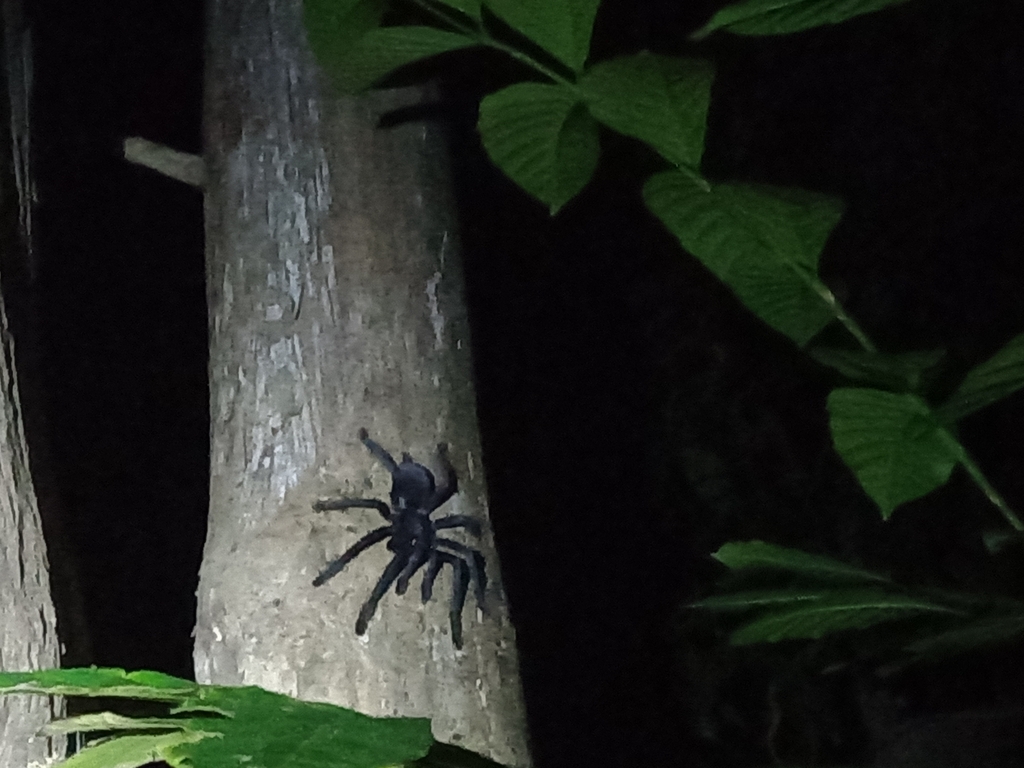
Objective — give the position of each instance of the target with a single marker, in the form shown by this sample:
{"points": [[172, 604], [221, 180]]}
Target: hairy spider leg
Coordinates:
{"points": [[471, 524], [378, 452], [473, 566], [459, 589], [335, 566], [434, 564], [474, 562], [379, 590], [460, 578], [324, 505], [451, 480], [414, 496]]}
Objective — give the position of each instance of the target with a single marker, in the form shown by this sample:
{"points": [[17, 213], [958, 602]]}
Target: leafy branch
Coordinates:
{"points": [[763, 242], [822, 596], [215, 726]]}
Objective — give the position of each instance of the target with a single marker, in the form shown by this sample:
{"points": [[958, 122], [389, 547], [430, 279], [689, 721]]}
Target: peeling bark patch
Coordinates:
{"points": [[281, 433], [436, 317]]}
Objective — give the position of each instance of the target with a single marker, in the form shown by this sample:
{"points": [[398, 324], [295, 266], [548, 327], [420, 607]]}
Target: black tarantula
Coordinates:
{"points": [[412, 536]]}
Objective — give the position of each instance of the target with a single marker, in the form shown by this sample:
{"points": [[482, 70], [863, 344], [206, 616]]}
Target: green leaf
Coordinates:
{"points": [[469, 7], [838, 611], [742, 555], [999, 376], [560, 27], [977, 633], [133, 751], [894, 444], [780, 17], [272, 729], [763, 242], [97, 681], [334, 26], [661, 100], [763, 598], [110, 721], [906, 372], [381, 51], [542, 137], [255, 727]]}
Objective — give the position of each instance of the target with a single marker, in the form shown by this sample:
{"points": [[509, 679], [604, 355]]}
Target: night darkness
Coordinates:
{"points": [[606, 359]]}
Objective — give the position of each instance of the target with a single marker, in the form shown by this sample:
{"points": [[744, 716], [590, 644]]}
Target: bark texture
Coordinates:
{"points": [[28, 623], [28, 630], [335, 303]]}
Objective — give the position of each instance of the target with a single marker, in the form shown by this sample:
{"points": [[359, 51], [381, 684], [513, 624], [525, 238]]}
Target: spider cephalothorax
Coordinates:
{"points": [[412, 536]]}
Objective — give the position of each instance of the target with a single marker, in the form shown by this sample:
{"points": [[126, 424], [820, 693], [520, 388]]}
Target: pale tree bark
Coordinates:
{"points": [[28, 623], [336, 303], [28, 629]]}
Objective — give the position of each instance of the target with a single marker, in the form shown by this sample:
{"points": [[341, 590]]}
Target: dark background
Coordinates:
{"points": [[634, 416]]}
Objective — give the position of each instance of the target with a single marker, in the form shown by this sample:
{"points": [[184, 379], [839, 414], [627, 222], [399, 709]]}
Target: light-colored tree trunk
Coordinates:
{"points": [[336, 303], [28, 627], [28, 623]]}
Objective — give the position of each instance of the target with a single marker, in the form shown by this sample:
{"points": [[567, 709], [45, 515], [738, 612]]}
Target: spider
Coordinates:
{"points": [[412, 536]]}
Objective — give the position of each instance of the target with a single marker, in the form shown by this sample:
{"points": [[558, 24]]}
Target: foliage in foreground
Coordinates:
{"points": [[821, 596], [889, 424], [215, 726], [897, 435]]}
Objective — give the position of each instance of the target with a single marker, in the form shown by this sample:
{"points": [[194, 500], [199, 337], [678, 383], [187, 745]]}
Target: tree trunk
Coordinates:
{"points": [[336, 304], [28, 631], [28, 624]]}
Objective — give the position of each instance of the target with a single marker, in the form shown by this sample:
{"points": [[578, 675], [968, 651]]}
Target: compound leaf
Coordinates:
{"points": [[837, 611], [272, 729], [110, 721], [970, 636], [661, 100], [542, 137], [894, 444], [762, 598], [98, 681], [763, 242], [225, 726], [741, 555], [133, 751], [780, 17]]}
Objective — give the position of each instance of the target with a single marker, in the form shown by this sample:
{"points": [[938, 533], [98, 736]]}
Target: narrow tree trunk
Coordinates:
{"points": [[28, 624], [336, 304], [28, 629]]}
